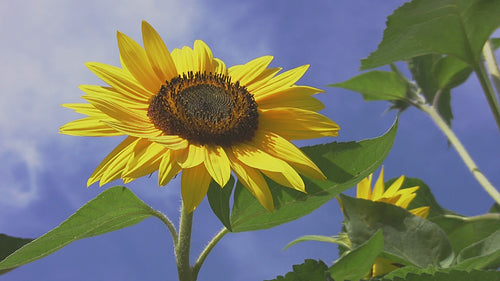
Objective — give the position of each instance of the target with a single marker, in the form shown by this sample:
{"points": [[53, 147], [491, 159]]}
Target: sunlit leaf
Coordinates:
{"points": [[113, 209], [453, 27], [376, 85], [357, 263], [448, 275], [344, 164], [410, 239]]}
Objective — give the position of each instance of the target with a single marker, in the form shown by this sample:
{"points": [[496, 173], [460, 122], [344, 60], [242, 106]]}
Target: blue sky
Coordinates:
{"points": [[44, 47]]}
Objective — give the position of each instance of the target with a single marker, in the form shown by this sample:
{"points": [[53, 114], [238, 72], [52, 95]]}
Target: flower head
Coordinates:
{"points": [[395, 196], [185, 111]]}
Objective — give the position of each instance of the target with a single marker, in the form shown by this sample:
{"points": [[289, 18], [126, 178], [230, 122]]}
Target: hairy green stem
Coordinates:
{"points": [[487, 186], [207, 250], [168, 223], [485, 82], [492, 65], [183, 246]]}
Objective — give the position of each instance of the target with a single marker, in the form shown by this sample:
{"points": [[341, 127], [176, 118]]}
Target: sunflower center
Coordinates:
{"points": [[206, 109]]}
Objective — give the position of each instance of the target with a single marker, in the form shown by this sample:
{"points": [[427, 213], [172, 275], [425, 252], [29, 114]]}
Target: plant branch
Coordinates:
{"points": [[487, 186], [168, 223], [207, 250]]}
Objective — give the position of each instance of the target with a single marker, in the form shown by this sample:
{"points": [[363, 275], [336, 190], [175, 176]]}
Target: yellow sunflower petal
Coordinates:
{"points": [[194, 186], [133, 129], [146, 160], [273, 167], [404, 201], [89, 126], [183, 60], [422, 212], [113, 164], [117, 111], [253, 180], [137, 63], [203, 57], [171, 141], [297, 96], [296, 124], [395, 186], [168, 168], [219, 66], [379, 188], [124, 98], [262, 79], [84, 108], [282, 81], [158, 54], [193, 156], [120, 80], [217, 164], [279, 147], [250, 70], [363, 189]]}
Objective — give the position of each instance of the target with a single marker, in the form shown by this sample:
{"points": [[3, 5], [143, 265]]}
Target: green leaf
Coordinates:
{"points": [[8, 245], [495, 42], [113, 209], [451, 72], [409, 239], [310, 270], [484, 254], [344, 165], [376, 85], [453, 27], [452, 275], [357, 263], [465, 231], [341, 240], [219, 201]]}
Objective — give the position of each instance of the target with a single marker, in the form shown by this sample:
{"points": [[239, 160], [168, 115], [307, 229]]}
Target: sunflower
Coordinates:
{"points": [[185, 111], [395, 196]]}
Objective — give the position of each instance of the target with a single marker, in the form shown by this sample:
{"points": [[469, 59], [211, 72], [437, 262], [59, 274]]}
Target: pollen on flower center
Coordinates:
{"points": [[205, 108]]}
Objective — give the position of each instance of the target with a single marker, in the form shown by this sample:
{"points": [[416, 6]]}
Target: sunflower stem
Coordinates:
{"points": [[487, 186], [207, 250], [183, 246]]}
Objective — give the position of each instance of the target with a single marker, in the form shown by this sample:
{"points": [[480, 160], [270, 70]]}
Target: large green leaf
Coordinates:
{"points": [[376, 85], [453, 27], [310, 270], [113, 209], [218, 199], [410, 239], [344, 164], [357, 263], [465, 231], [484, 254], [8, 245]]}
